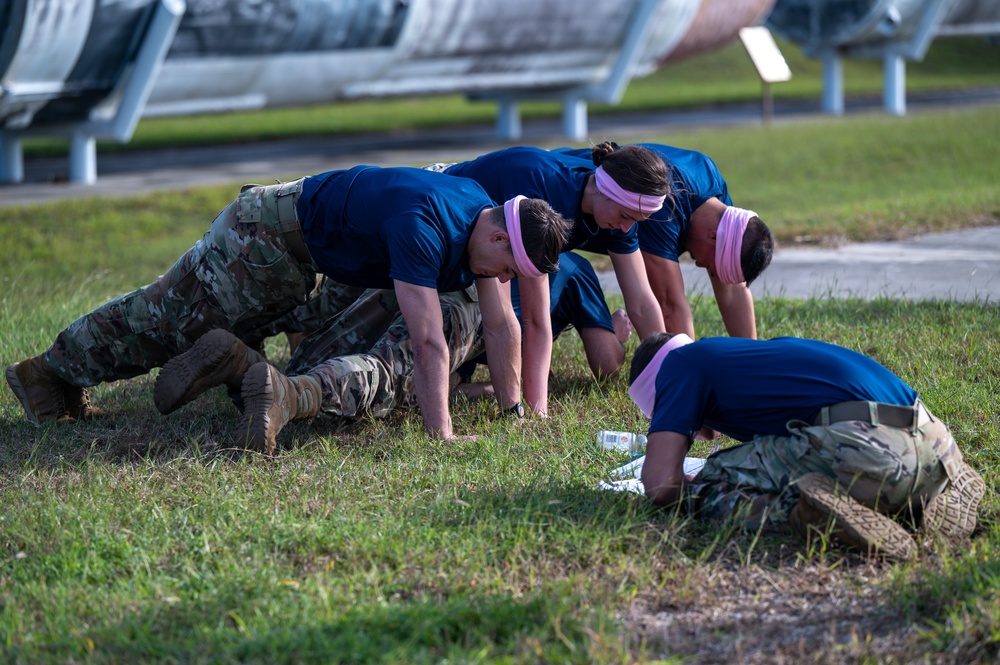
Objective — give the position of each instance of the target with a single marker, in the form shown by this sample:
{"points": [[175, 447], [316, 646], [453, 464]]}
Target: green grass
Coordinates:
{"points": [[724, 76], [143, 538]]}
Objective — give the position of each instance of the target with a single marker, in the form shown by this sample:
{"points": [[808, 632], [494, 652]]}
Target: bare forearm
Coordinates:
{"points": [[677, 317], [605, 354], [503, 356], [537, 360], [663, 471], [737, 309], [646, 316], [430, 378]]}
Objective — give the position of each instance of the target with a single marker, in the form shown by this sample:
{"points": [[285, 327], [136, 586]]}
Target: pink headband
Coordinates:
{"points": [[606, 185], [643, 389], [512, 213], [729, 244]]}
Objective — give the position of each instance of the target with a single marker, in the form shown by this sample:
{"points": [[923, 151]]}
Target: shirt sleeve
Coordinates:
{"points": [[683, 396], [416, 252], [660, 238]]}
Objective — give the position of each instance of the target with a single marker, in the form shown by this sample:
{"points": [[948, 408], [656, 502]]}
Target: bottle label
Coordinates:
{"points": [[612, 440]]}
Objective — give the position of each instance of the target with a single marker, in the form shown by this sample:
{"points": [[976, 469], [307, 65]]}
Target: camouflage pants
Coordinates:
{"points": [[363, 357], [250, 268], [890, 469], [327, 299]]}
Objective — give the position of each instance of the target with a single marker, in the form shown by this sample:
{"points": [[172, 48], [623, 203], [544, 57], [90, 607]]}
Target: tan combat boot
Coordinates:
{"points": [[952, 513], [217, 357], [78, 404], [825, 508], [271, 400], [42, 393]]}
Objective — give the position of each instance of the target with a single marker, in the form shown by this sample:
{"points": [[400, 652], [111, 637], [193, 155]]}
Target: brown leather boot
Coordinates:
{"points": [[218, 357], [41, 391], [272, 400], [825, 508], [78, 404]]}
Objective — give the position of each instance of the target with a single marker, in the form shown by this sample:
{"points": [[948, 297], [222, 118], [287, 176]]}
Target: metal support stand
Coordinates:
{"points": [[508, 119], [11, 158], [833, 83], [82, 158], [574, 123], [894, 84], [767, 102]]}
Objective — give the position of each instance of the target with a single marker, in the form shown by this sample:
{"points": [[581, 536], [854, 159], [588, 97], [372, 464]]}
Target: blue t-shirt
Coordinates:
{"points": [[554, 177], [368, 226], [695, 179], [746, 387], [575, 296]]}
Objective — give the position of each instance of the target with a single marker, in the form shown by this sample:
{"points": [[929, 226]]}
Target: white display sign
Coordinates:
{"points": [[764, 53]]}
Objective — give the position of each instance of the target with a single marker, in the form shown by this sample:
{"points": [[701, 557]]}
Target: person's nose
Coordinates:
{"points": [[625, 226]]}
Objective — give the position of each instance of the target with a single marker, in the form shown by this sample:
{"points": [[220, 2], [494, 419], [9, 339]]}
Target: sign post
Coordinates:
{"points": [[770, 64]]}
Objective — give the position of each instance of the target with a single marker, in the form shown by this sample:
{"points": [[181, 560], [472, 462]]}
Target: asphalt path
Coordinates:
{"points": [[963, 265]]}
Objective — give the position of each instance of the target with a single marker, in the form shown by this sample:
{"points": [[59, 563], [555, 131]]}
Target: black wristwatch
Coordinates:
{"points": [[516, 410]]}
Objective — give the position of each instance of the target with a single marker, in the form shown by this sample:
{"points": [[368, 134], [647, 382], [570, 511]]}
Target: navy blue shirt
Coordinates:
{"points": [[695, 179], [575, 296], [368, 226], [745, 387], [554, 177]]}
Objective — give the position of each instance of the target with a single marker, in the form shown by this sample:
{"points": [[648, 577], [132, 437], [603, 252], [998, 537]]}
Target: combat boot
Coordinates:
{"points": [[825, 508], [41, 391], [78, 404], [218, 357], [272, 400], [952, 513]]}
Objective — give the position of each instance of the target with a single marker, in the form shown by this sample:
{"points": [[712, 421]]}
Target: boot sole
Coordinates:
{"points": [[855, 524], [953, 512], [20, 393], [197, 370], [258, 397]]}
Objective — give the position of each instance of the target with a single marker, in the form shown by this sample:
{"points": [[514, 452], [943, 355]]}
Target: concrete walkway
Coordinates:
{"points": [[959, 265]]}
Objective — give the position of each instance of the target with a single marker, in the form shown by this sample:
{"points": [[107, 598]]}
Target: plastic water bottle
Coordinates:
{"points": [[635, 444]]}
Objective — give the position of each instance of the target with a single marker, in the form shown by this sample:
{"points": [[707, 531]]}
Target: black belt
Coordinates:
{"points": [[872, 412]]}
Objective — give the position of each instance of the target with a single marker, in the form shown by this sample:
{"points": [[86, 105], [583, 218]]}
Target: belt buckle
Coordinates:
{"points": [[923, 415], [290, 187]]}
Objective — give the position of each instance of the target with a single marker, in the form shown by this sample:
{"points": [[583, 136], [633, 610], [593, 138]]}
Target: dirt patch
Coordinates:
{"points": [[799, 613]]}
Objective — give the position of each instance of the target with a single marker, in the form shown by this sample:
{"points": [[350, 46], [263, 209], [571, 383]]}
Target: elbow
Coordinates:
{"points": [[663, 495], [607, 368]]}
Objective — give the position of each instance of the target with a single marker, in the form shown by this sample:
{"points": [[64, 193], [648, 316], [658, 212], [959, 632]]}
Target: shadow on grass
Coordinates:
{"points": [[422, 630]]}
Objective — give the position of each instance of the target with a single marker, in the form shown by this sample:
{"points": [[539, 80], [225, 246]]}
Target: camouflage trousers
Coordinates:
{"points": [[250, 268], [889, 469], [327, 299], [363, 357]]}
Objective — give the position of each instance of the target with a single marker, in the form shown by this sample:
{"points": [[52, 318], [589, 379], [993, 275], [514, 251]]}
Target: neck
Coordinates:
{"points": [[707, 216], [481, 232], [589, 192]]}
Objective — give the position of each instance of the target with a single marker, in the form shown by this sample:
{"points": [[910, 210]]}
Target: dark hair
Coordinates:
{"points": [[644, 353], [634, 168], [544, 232], [758, 247]]}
